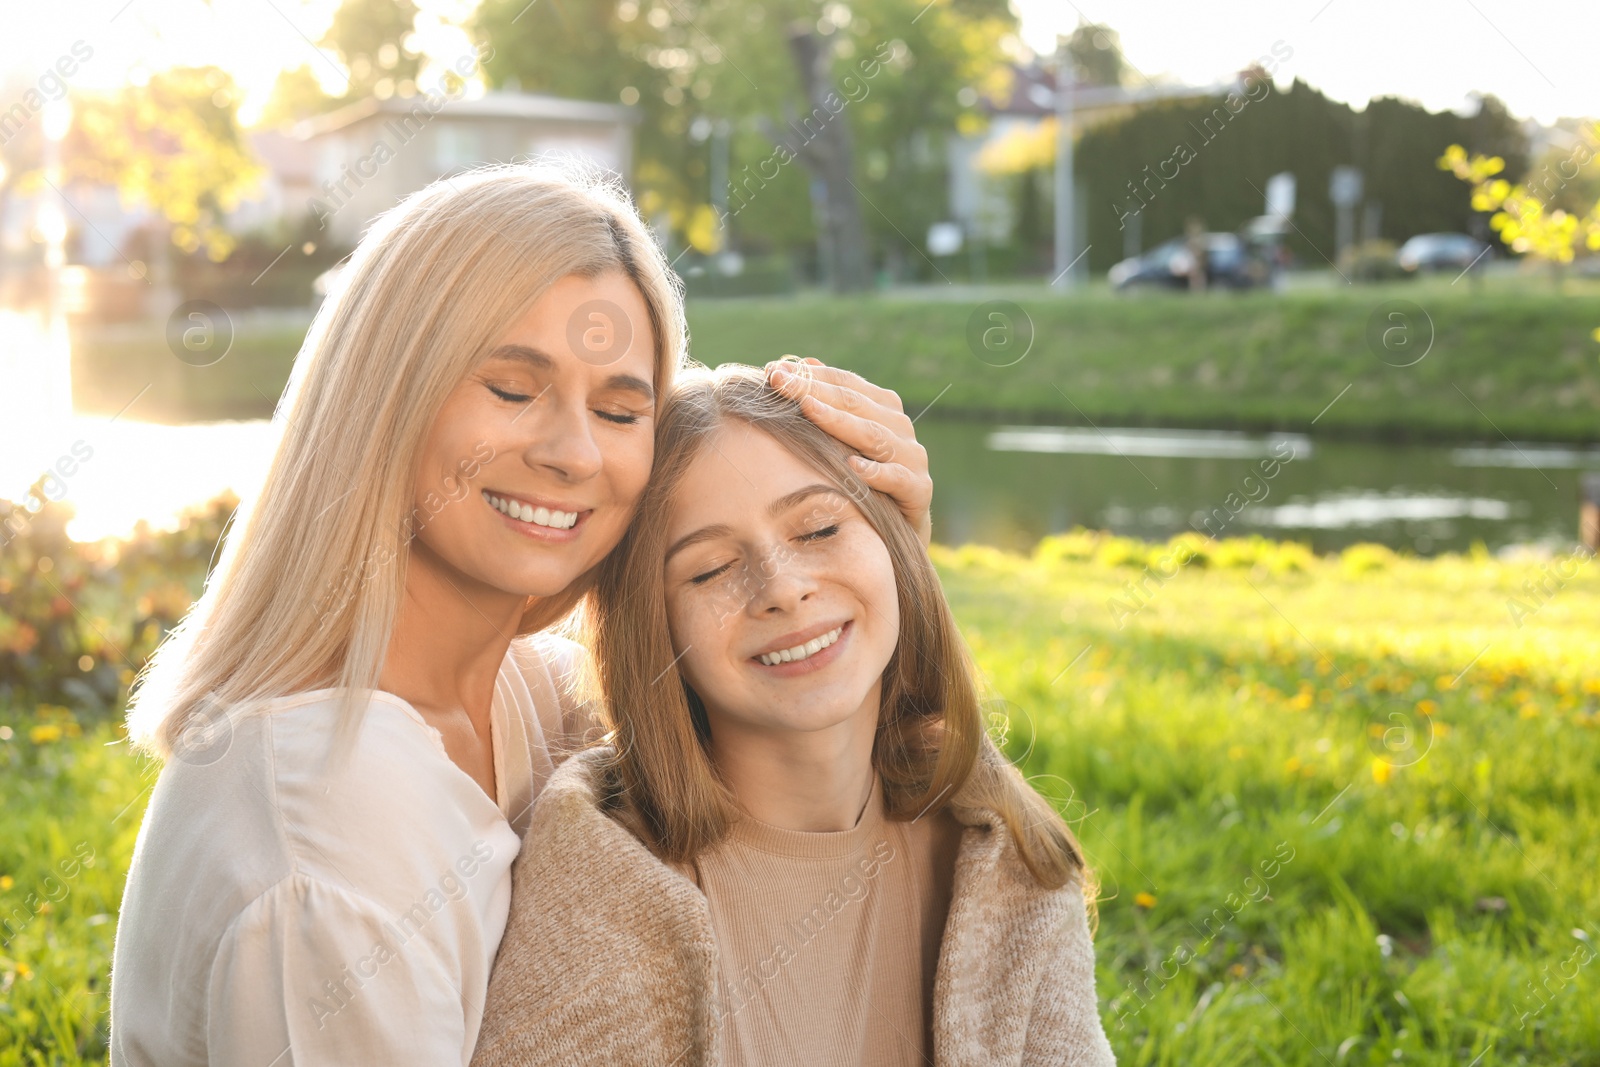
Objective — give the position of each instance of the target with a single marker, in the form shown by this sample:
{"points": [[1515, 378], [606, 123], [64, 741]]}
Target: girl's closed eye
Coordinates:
{"points": [[706, 576], [812, 537]]}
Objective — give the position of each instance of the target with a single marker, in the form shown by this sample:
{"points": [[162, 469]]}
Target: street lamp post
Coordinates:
{"points": [[1065, 193], [52, 225]]}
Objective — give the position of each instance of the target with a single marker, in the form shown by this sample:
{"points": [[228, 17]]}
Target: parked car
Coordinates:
{"points": [[1230, 264], [1440, 251]]}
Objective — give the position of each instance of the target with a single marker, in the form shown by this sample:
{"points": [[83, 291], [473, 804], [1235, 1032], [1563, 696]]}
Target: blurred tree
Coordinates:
{"points": [[1096, 51], [372, 38], [860, 95], [174, 144], [1567, 176], [21, 156], [1524, 214], [296, 95]]}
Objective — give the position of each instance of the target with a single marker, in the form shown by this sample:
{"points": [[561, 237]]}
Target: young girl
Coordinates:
{"points": [[359, 711], [800, 846]]}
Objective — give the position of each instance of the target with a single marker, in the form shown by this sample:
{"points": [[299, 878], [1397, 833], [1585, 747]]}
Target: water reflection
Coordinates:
{"points": [[1178, 444], [1011, 485]]}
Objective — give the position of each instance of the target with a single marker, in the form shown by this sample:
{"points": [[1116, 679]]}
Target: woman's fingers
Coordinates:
{"points": [[834, 384], [806, 385], [866, 435], [912, 491]]}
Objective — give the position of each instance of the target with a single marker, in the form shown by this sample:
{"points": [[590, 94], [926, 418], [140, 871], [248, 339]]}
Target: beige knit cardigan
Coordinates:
{"points": [[609, 957]]}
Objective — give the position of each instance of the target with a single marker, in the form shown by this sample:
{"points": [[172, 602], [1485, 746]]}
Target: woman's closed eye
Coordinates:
{"points": [[620, 418], [820, 535], [507, 394]]}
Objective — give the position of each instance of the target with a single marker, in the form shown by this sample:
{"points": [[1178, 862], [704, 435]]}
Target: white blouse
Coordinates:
{"points": [[279, 911]]}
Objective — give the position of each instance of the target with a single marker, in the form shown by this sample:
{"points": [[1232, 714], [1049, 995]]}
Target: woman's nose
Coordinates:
{"points": [[562, 441]]}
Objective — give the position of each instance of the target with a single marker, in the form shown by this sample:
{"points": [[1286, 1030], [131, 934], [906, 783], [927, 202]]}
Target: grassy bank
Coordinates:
{"points": [[1518, 358], [1514, 356], [1342, 808]]}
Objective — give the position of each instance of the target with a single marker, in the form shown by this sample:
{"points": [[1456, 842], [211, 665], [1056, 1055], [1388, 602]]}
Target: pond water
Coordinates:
{"points": [[1008, 486]]}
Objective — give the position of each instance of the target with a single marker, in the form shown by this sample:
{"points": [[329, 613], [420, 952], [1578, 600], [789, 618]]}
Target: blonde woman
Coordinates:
{"points": [[800, 847], [357, 714]]}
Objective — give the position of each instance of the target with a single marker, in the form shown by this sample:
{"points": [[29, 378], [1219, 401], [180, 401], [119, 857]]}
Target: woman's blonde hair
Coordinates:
{"points": [[312, 570], [930, 728]]}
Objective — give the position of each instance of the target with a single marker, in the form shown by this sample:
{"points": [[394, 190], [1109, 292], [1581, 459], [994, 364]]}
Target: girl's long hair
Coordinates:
{"points": [[312, 570], [930, 727]]}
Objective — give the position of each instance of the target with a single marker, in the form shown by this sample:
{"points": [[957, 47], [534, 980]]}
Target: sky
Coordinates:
{"points": [[1540, 56]]}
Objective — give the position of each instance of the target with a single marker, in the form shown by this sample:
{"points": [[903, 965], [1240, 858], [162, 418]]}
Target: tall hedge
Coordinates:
{"points": [[1223, 152]]}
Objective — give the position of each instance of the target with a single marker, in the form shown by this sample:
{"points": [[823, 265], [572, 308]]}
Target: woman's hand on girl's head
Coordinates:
{"points": [[870, 420]]}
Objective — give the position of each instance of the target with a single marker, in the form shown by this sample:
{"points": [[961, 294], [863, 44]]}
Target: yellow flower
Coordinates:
{"points": [[6, 881], [1427, 707], [24, 971], [1144, 900], [1382, 771], [1528, 711], [44, 733], [1292, 764]]}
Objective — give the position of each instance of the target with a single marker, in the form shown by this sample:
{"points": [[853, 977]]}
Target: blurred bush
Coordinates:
{"points": [[266, 268], [764, 276], [78, 621], [1372, 261], [1183, 550]]}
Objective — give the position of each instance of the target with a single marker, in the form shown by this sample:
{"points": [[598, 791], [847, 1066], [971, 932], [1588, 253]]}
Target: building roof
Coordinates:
{"points": [[287, 156], [491, 105]]}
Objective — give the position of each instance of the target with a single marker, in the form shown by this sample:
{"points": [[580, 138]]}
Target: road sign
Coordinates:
{"points": [[1280, 195], [1344, 186]]}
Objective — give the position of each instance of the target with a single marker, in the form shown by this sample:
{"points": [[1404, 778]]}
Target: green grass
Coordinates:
{"points": [[69, 813], [1523, 355], [1441, 820], [1515, 357], [1343, 809]]}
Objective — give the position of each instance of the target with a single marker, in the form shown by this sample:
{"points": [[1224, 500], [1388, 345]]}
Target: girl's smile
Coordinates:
{"points": [[774, 577], [804, 652]]}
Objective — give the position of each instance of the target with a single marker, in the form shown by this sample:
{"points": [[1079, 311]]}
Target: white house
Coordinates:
{"points": [[366, 157]]}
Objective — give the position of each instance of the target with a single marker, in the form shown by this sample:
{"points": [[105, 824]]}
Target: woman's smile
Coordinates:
{"points": [[545, 516], [569, 445]]}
